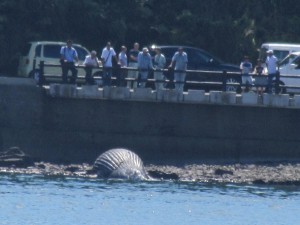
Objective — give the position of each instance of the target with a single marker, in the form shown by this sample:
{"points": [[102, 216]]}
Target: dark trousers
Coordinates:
{"points": [[66, 66], [122, 74], [107, 72], [270, 81], [89, 79]]}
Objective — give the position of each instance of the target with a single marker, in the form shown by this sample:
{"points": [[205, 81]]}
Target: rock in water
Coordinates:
{"points": [[15, 157]]}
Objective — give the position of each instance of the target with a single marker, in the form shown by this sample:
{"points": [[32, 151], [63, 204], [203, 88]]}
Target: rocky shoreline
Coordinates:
{"points": [[17, 162], [279, 174]]}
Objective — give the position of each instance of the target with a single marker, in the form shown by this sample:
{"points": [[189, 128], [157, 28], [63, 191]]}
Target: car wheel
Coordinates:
{"points": [[232, 88]]}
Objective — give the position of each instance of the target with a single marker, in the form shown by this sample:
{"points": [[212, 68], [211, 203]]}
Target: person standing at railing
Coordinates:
{"points": [[259, 71], [144, 65], [106, 57], [90, 62], [246, 69], [159, 65], [68, 58], [133, 62], [123, 64], [271, 63], [179, 62]]}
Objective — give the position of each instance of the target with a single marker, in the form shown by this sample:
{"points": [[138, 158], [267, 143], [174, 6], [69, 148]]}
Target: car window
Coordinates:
{"points": [[52, 51], [82, 53], [38, 50], [168, 53]]}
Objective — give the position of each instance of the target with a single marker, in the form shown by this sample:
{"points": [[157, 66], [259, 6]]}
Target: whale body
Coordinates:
{"points": [[120, 163]]}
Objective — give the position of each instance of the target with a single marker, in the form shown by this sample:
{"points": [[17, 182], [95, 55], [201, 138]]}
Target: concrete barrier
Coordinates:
{"points": [[195, 96], [63, 90], [297, 101], [78, 130], [16, 81], [118, 93], [215, 97], [229, 98], [143, 94], [169, 96], [281, 100], [89, 91], [249, 98]]}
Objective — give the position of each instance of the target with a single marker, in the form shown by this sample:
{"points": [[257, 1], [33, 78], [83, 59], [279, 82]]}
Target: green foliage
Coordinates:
{"points": [[229, 29]]}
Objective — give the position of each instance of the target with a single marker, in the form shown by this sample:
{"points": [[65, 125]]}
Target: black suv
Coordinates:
{"points": [[211, 68]]}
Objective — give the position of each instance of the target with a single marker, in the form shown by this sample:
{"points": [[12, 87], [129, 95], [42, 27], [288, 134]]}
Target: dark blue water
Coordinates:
{"points": [[34, 199]]}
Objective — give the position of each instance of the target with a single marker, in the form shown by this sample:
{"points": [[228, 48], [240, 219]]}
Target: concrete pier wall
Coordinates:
{"points": [[59, 126]]}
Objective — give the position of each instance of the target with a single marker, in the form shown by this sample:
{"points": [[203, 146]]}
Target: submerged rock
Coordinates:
{"points": [[15, 157]]}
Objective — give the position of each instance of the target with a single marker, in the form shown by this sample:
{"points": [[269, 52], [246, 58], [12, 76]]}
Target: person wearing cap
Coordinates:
{"points": [[106, 57], [68, 57], [246, 69], [179, 62], [91, 61], [271, 63], [144, 65], [159, 65]]}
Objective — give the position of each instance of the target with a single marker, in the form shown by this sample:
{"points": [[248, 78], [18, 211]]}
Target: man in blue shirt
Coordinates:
{"points": [[144, 65], [68, 58], [179, 61]]}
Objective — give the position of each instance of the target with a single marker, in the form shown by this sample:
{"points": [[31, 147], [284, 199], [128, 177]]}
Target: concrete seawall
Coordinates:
{"points": [[69, 124]]}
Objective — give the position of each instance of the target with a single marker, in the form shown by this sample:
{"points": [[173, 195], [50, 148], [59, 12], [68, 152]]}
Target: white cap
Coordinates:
{"points": [[270, 51]]}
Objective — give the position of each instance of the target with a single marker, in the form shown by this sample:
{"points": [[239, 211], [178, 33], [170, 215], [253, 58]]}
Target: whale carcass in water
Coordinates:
{"points": [[120, 163]]}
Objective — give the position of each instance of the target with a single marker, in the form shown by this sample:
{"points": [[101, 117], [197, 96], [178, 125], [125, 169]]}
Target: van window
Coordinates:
{"points": [[287, 60], [38, 51], [52, 51], [280, 54], [82, 53]]}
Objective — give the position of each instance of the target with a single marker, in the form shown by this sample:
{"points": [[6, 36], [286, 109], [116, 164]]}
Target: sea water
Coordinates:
{"points": [[43, 200]]}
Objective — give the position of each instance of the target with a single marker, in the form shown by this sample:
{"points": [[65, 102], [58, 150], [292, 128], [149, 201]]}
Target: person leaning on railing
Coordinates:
{"points": [[68, 58], [91, 61], [144, 65], [179, 62]]}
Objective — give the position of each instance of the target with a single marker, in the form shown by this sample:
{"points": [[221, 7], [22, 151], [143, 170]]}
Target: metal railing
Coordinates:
{"points": [[207, 80]]}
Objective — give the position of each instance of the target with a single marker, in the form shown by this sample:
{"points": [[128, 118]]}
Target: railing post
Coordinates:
{"points": [[40, 76], [277, 78], [224, 78]]}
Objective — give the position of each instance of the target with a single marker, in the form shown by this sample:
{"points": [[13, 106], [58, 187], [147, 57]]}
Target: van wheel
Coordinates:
{"points": [[232, 88]]}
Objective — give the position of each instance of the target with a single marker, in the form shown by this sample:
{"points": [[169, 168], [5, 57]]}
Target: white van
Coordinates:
{"points": [[49, 52], [290, 65], [281, 50]]}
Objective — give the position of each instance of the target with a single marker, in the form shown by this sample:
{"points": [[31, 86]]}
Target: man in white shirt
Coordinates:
{"points": [[90, 62], [106, 57], [271, 63]]}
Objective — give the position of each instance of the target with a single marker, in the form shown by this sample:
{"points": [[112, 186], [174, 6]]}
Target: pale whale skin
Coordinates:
{"points": [[120, 163]]}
